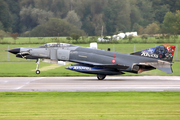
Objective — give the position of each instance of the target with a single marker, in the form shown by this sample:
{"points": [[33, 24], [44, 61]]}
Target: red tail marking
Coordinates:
{"points": [[170, 47]]}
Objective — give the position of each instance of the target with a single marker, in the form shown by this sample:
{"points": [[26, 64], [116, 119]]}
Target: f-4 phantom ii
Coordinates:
{"points": [[100, 62]]}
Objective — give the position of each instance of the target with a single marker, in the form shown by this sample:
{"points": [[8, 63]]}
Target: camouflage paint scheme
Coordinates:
{"points": [[100, 62]]}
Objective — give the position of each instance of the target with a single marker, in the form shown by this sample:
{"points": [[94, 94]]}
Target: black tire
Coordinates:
{"points": [[38, 72], [101, 77]]}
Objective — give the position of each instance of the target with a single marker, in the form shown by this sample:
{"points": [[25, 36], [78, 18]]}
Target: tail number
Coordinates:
{"points": [[146, 54]]}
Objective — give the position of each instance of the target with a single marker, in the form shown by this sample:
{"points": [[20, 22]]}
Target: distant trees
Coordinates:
{"points": [[135, 16], [74, 19], [14, 9], [2, 35], [173, 4], [54, 27], [117, 16], [1, 26], [160, 13], [40, 16], [171, 23], [146, 12], [88, 15], [152, 29], [75, 36], [32, 17], [14, 36], [5, 17]]}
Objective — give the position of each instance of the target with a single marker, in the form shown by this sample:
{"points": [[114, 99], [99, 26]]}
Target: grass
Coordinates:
{"points": [[42, 40], [90, 105], [31, 40], [23, 69], [28, 70]]}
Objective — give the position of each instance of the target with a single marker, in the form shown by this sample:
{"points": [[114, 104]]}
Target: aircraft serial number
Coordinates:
{"points": [[146, 54]]}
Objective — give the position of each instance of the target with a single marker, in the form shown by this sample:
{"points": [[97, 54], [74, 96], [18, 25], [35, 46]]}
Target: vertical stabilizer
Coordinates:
{"points": [[163, 52]]}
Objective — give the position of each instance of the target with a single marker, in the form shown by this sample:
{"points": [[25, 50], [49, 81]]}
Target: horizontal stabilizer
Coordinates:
{"points": [[167, 70], [161, 65]]}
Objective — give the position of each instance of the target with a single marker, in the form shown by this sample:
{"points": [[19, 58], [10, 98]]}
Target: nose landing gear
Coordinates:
{"points": [[37, 71], [37, 68]]}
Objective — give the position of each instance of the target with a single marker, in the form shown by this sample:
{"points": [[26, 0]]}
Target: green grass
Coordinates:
{"points": [[89, 105], [31, 40], [42, 40], [28, 70], [24, 69]]}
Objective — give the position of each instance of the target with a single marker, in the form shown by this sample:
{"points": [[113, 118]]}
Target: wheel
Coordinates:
{"points": [[101, 77], [37, 71]]}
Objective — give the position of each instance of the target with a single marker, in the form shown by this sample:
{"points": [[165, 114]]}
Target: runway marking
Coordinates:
{"points": [[30, 82]]}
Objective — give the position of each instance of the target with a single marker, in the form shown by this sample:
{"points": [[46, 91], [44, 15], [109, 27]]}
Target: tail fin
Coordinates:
{"points": [[163, 52]]}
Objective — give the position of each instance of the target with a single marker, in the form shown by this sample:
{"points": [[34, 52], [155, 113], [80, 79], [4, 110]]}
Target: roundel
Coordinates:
{"points": [[113, 61]]}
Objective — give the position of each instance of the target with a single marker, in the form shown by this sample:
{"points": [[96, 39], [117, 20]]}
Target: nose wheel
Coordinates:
{"points": [[37, 68], [101, 77], [37, 71]]}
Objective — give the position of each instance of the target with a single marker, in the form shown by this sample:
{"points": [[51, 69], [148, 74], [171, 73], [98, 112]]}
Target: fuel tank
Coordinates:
{"points": [[94, 70]]}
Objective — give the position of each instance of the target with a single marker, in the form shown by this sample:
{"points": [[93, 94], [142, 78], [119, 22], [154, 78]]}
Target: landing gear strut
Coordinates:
{"points": [[101, 77], [37, 68]]}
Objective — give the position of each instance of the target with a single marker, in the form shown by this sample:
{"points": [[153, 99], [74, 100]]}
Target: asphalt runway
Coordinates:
{"points": [[134, 83]]}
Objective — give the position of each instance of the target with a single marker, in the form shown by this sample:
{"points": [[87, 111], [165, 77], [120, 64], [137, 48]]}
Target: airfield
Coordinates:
{"points": [[111, 83], [79, 98]]}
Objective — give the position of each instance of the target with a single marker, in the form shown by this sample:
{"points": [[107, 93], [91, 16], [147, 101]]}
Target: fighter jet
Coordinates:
{"points": [[100, 62]]}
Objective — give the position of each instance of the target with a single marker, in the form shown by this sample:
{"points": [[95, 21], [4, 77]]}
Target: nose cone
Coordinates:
{"points": [[14, 51]]}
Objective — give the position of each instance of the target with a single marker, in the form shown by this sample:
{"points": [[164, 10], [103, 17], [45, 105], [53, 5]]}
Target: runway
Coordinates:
{"points": [[120, 83]]}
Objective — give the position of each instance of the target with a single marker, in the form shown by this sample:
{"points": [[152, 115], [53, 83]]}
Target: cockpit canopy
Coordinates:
{"points": [[48, 45]]}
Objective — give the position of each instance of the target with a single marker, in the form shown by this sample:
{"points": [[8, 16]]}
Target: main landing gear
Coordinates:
{"points": [[37, 68], [101, 77]]}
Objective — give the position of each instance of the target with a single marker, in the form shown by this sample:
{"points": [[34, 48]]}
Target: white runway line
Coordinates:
{"points": [[29, 82]]}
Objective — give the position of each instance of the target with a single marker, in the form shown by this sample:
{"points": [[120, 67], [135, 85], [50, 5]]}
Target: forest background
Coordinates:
{"points": [[47, 18]]}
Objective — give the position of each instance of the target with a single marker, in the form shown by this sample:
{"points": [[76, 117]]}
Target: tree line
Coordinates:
{"points": [[86, 17]]}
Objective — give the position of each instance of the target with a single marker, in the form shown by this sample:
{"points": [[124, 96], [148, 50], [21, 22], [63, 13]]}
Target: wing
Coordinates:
{"points": [[116, 66]]}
